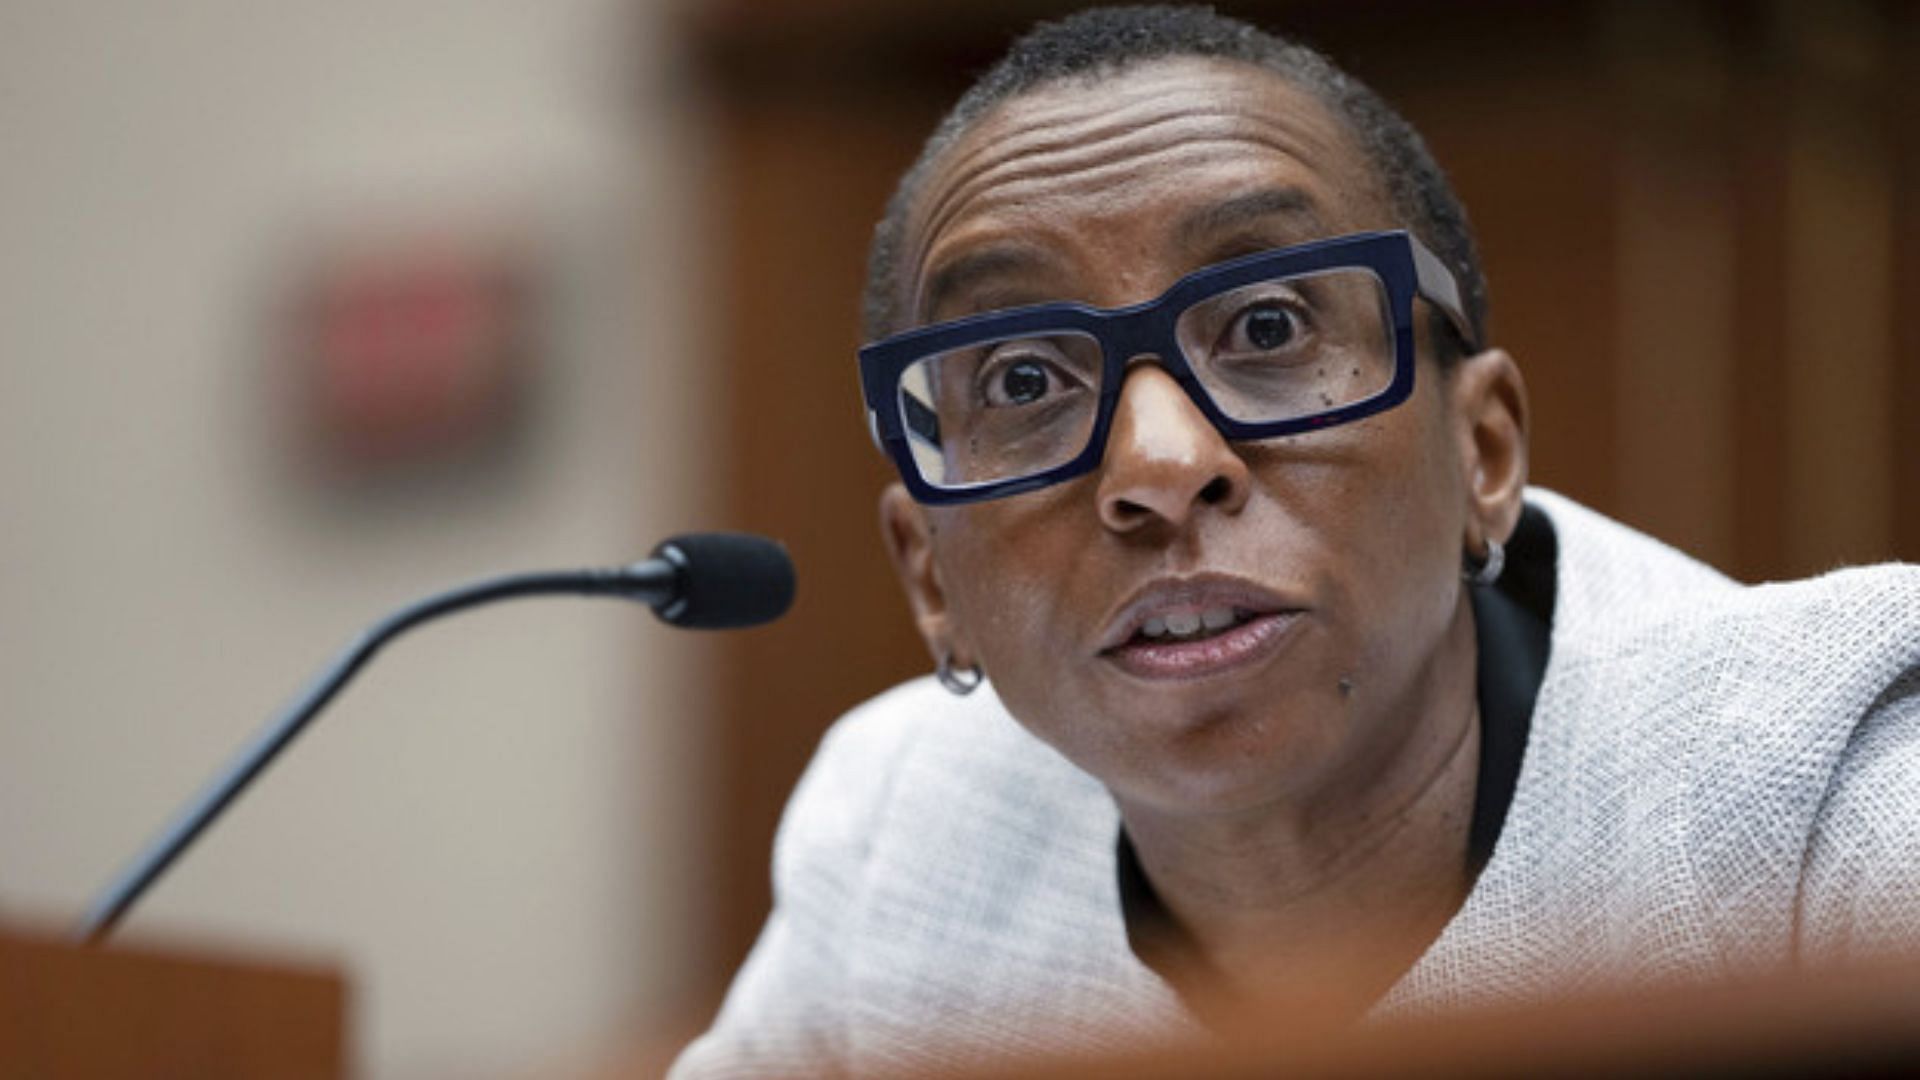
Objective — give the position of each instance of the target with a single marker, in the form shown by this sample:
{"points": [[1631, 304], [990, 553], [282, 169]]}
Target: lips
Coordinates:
{"points": [[1193, 627]]}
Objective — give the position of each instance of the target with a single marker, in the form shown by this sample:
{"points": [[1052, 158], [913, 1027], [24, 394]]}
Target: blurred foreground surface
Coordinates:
{"points": [[1859, 1022]]}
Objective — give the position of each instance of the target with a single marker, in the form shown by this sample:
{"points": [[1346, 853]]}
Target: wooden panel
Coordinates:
{"points": [[799, 186], [1838, 323], [1677, 217], [1529, 145], [1760, 296], [67, 1011], [1904, 128]]}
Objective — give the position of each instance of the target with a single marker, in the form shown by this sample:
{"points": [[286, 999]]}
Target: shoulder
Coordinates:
{"points": [[918, 749], [1602, 562], [1649, 617], [851, 773], [900, 861], [916, 791], [1700, 744], [1862, 881]]}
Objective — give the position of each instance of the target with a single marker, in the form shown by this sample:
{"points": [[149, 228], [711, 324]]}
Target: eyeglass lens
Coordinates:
{"points": [[1267, 351]]}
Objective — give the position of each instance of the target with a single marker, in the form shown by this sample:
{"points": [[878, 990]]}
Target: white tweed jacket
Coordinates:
{"points": [[1716, 776]]}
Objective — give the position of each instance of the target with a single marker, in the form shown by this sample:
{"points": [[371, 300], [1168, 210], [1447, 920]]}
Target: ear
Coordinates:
{"points": [[907, 531], [1490, 409]]}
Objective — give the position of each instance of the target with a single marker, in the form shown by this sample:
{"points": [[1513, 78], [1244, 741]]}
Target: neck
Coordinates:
{"points": [[1324, 901]]}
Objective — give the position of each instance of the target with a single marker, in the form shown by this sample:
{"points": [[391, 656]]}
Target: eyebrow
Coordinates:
{"points": [[970, 270], [1253, 207]]}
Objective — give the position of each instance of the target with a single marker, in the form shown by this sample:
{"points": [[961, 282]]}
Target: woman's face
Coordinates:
{"points": [[1333, 557]]}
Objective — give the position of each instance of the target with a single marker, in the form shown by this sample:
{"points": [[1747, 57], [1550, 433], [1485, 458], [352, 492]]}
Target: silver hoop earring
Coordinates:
{"points": [[1487, 571], [959, 681]]}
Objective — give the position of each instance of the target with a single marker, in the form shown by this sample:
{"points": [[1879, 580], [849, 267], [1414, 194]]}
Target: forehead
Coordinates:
{"points": [[1170, 162]]}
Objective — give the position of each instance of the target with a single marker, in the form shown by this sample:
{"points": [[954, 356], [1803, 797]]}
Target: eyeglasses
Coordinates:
{"points": [[1290, 340]]}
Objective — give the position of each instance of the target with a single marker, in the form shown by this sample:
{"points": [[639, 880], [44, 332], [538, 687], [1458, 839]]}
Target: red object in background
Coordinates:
{"points": [[413, 354]]}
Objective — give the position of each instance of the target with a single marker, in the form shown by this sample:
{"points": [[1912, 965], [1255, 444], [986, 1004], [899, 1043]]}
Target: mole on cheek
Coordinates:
{"points": [[1346, 686]]}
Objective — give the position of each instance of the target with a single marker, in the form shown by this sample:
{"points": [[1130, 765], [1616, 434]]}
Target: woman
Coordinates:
{"points": [[1260, 669]]}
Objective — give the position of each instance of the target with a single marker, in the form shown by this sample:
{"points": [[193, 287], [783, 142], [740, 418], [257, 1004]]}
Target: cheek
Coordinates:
{"points": [[1406, 548], [1025, 583], [1385, 511], [1002, 571]]}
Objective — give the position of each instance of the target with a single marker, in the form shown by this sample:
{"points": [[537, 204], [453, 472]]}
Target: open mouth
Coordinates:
{"points": [[1198, 627], [1190, 625], [1182, 646]]}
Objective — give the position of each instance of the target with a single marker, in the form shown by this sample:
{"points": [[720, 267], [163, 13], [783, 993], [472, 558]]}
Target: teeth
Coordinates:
{"points": [[1186, 624]]}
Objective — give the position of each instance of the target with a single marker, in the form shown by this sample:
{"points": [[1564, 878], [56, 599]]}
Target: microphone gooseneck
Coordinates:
{"points": [[700, 581]]}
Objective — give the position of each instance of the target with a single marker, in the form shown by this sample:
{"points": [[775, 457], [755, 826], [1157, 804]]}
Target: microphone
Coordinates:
{"points": [[720, 581], [701, 581]]}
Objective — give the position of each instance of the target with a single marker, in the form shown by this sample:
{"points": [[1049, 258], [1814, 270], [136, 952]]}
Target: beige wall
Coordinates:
{"points": [[490, 830]]}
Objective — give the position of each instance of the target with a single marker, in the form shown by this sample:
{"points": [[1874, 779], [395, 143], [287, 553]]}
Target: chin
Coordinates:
{"points": [[1228, 761]]}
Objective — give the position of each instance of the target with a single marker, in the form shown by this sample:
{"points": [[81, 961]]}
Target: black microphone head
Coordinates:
{"points": [[726, 580]]}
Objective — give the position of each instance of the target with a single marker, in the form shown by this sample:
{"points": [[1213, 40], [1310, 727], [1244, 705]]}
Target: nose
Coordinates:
{"points": [[1164, 460]]}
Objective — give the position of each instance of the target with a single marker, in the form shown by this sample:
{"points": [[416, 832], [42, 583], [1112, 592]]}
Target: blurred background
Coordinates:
{"points": [[309, 309]]}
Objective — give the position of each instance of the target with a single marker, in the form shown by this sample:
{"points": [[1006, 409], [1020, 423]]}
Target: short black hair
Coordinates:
{"points": [[1101, 43]]}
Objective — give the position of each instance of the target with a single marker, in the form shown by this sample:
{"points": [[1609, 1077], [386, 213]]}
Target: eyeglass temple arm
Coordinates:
{"points": [[1437, 284]]}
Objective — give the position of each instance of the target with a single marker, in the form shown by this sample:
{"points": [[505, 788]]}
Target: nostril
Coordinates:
{"points": [[1216, 491]]}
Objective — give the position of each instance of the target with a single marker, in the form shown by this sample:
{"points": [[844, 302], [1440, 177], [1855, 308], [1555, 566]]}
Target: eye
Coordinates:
{"points": [[1024, 373], [1263, 328], [1023, 382]]}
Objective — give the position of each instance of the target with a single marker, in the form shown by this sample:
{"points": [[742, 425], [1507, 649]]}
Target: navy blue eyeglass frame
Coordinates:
{"points": [[1402, 263]]}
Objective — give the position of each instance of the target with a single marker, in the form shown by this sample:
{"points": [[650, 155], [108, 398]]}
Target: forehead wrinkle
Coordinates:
{"points": [[1037, 153], [1058, 113], [990, 254], [1102, 177], [1007, 177]]}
